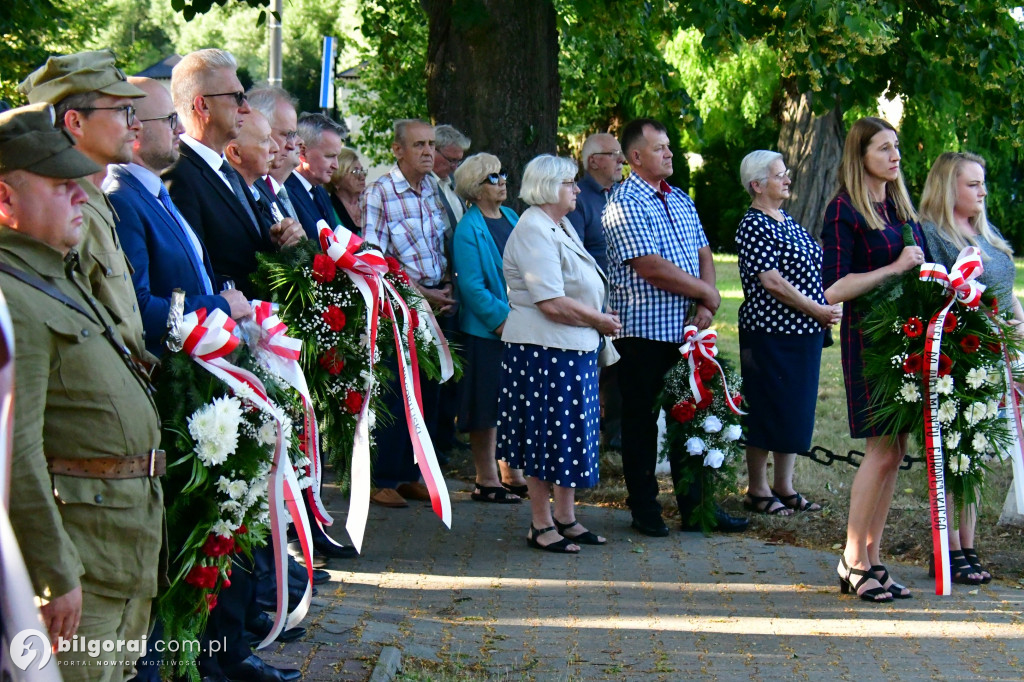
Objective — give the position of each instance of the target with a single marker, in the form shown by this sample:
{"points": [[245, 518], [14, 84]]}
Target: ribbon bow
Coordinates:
{"points": [[209, 338], [366, 269], [961, 278], [699, 347]]}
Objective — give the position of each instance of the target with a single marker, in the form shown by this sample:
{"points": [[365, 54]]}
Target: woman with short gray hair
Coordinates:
{"points": [[782, 323], [548, 405]]}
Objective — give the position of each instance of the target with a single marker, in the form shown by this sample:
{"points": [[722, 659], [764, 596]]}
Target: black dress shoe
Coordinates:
{"points": [[253, 669], [297, 575], [259, 627], [332, 551], [724, 523], [654, 528]]}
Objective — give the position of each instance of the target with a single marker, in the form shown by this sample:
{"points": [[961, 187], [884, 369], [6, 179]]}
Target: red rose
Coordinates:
{"points": [[242, 530], [706, 371], [335, 318], [203, 577], [415, 317], [332, 361], [354, 401], [970, 343], [913, 328], [218, 545], [737, 400], [683, 412], [913, 363], [324, 268], [945, 365], [994, 347], [394, 267], [950, 324], [211, 601], [706, 402]]}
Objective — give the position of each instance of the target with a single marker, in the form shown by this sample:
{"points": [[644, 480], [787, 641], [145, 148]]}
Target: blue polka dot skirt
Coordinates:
{"points": [[549, 414]]}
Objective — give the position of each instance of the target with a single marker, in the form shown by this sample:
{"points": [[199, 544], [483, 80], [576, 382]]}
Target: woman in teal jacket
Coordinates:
{"points": [[480, 285]]}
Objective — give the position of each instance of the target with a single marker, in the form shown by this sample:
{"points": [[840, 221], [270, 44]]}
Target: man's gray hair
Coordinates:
{"points": [[188, 76], [543, 178], [447, 136], [401, 124], [265, 99], [755, 167], [312, 127], [591, 146]]}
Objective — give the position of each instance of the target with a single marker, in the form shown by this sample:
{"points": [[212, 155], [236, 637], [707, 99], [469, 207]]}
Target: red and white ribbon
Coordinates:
{"points": [[208, 339], [699, 347], [961, 286], [366, 269]]}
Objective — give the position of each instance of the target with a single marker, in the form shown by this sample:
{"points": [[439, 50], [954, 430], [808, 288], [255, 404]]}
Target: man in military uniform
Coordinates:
{"points": [[88, 507], [93, 103]]}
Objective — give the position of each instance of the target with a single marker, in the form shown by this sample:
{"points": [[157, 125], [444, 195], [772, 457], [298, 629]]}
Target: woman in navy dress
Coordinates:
{"points": [[863, 250]]}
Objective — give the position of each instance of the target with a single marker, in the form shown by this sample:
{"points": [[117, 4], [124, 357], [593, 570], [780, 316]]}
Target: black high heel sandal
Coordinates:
{"points": [[587, 538], [556, 547], [891, 586], [960, 568], [846, 585], [972, 559]]}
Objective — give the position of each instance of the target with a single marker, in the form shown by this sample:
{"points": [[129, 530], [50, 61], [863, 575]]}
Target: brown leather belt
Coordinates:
{"points": [[151, 465]]}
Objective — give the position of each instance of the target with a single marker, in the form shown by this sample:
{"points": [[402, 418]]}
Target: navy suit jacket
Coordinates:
{"points": [[218, 218], [308, 211], [158, 250]]}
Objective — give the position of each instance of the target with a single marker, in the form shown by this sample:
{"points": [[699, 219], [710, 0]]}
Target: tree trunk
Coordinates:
{"points": [[813, 147], [492, 72]]}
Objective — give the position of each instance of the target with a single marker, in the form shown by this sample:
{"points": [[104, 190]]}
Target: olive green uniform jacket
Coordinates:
{"points": [[76, 398]]}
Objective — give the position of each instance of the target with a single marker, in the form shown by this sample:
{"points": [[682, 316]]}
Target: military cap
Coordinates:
{"points": [[28, 141], [62, 76]]}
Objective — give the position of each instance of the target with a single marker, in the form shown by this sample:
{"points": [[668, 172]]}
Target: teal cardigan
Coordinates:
{"points": [[479, 281]]}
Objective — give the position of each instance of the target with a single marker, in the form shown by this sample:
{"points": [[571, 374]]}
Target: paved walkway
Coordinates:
{"points": [[676, 608]]}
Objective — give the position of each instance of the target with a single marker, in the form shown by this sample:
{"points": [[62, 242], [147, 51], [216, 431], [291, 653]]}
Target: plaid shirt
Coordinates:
{"points": [[640, 221], [407, 225]]}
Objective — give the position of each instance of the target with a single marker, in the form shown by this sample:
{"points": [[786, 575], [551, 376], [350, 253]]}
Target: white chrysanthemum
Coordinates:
{"points": [[211, 453], [732, 433], [237, 489], [201, 423], [980, 443], [714, 458], [947, 412], [993, 409], [944, 386], [268, 433], [232, 509], [959, 463], [952, 439], [695, 446], [909, 392], [975, 412], [712, 424], [223, 485], [371, 418], [223, 529], [994, 375], [977, 377]]}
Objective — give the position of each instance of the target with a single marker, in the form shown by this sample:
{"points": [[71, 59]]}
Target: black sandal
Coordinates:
{"points": [[587, 538], [523, 491], [799, 502], [494, 495], [960, 569], [891, 586], [765, 505], [556, 547], [846, 584], [972, 559]]}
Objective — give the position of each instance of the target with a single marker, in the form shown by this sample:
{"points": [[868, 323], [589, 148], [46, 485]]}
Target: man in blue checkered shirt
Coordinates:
{"points": [[662, 278]]}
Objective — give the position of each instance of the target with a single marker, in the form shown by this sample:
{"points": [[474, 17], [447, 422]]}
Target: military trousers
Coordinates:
{"points": [[107, 623]]}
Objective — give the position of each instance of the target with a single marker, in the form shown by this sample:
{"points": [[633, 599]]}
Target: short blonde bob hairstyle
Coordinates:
{"points": [[543, 178], [471, 173]]}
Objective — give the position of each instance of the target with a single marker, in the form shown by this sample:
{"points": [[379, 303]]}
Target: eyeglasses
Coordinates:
{"points": [[454, 162], [495, 178], [570, 183], [781, 176], [616, 154], [128, 109], [239, 96], [171, 118], [358, 172]]}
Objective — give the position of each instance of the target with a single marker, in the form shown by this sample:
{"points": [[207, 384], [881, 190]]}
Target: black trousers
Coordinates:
{"points": [[394, 464], [642, 370]]}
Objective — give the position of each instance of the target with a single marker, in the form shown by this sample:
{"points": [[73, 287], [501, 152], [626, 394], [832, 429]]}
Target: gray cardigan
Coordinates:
{"points": [[545, 260]]}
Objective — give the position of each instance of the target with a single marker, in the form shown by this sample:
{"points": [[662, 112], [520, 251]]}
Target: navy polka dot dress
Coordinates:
{"points": [[549, 414]]}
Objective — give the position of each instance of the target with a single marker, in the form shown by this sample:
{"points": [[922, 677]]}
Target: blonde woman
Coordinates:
{"points": [[347, 185], [953, 218], [863, 250]]}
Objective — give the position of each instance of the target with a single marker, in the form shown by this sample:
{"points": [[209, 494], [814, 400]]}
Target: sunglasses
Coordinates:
{"points": [[128, 109], [171, 118], [239, 96], [495, 178]]}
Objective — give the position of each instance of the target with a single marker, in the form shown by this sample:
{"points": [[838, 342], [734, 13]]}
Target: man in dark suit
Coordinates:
{"points": [[208, 192], [215, 202], [279, 108], [318, 159], [164, 251]]}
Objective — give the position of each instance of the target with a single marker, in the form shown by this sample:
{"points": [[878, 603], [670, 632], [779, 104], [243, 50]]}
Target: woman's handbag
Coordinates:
{"points": [[606, 354]]}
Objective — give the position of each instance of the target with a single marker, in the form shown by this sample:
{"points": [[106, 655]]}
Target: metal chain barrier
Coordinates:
{"points": [[853, 457]]}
